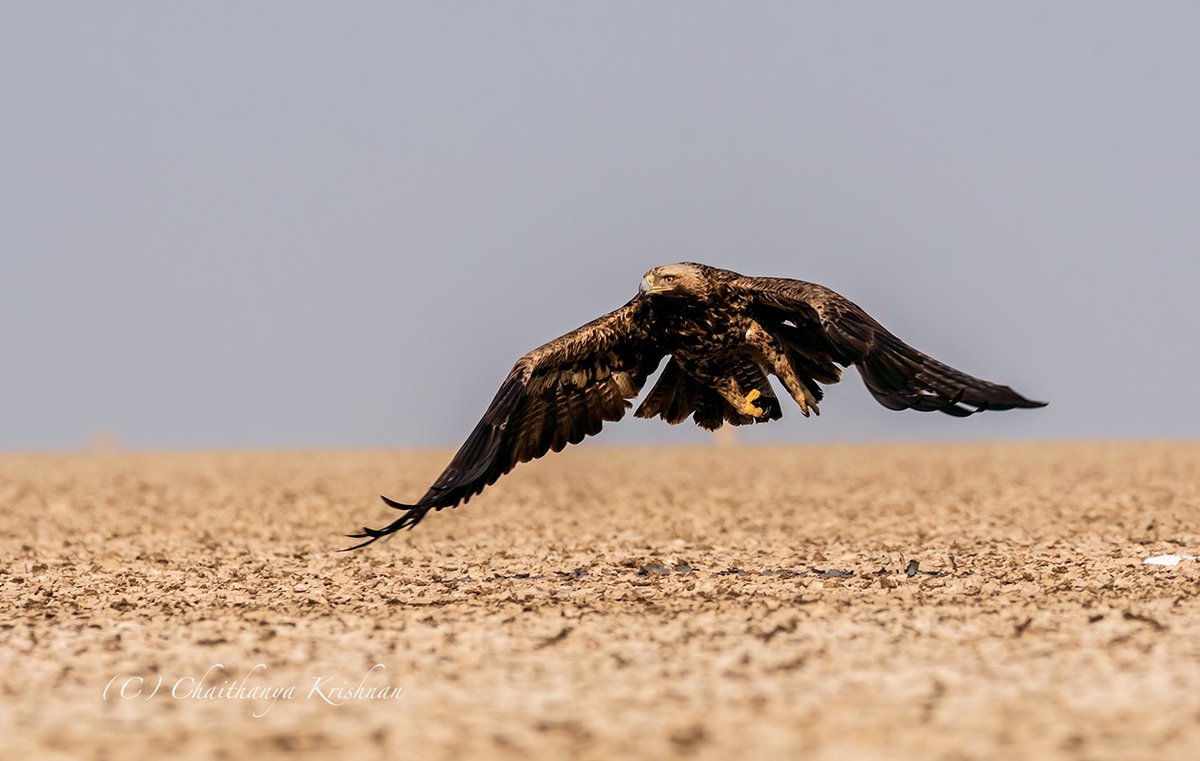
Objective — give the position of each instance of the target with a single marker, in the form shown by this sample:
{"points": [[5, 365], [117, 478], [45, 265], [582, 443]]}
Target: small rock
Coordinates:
{"points": [[1167, 559], [833, 573]]}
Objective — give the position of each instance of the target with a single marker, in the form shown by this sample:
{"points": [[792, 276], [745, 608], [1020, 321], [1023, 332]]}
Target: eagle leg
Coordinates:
{"points": [[743, 403], [776, 359]]}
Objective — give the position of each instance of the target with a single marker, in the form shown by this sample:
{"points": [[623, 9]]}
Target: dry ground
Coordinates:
{"points": [[952, 602]]}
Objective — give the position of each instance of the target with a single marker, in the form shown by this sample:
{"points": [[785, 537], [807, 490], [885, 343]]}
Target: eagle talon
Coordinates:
{"points": [[748, 407]]}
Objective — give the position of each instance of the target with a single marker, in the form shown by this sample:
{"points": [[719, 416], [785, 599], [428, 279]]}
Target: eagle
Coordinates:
{"points": [[724, 334]]}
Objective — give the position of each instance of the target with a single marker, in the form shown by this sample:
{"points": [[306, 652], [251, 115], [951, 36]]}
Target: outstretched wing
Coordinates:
{"points": [[897, 375], [555, 395]]}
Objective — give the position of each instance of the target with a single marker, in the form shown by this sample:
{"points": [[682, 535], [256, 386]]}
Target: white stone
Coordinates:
{"points": [[1167, 559]]}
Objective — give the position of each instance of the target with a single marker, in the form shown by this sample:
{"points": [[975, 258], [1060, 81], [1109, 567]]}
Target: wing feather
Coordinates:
{"points": [[896, 374], [555, 395]]}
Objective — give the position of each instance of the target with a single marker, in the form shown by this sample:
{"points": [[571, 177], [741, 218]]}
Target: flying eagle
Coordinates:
{"points": [[724, 334]]}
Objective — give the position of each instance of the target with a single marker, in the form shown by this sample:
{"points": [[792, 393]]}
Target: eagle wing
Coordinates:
{"points": [[831, 326], [555, 395]]}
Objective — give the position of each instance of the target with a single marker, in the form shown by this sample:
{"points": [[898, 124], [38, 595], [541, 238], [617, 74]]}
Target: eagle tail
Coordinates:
{"points": [[673, 397], [676, 396]]}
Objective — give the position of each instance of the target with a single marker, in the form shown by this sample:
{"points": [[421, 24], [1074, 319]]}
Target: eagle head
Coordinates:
{"points": [[684, 280]]}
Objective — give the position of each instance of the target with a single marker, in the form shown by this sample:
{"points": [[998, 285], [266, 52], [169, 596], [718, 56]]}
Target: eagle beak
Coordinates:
{"points": [[647, 285]]}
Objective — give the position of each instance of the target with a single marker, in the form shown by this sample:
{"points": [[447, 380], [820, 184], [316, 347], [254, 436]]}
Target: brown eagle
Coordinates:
{"points": [[724, 334]]}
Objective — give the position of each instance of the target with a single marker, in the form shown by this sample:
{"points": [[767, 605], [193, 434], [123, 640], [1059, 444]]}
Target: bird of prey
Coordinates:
{"points": [[724, 334]]}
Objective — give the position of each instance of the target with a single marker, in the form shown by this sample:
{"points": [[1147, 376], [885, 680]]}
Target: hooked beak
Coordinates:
{"points": [[647, 285]]}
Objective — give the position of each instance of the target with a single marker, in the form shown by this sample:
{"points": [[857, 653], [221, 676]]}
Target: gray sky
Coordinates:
{"points": [[325, 225]]}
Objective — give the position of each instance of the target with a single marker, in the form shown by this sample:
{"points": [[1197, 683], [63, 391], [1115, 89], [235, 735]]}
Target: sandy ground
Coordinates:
{"points": [[945, 602]]}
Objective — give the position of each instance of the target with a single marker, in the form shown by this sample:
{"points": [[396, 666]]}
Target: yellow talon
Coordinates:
{"points": [[748, 408]]}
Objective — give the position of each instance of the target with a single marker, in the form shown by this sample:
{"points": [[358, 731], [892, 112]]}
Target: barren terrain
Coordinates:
{"points": [[925, 601]]}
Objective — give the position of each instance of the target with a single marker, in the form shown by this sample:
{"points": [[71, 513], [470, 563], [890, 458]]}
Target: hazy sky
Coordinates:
{"points": [[338, 224]]}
